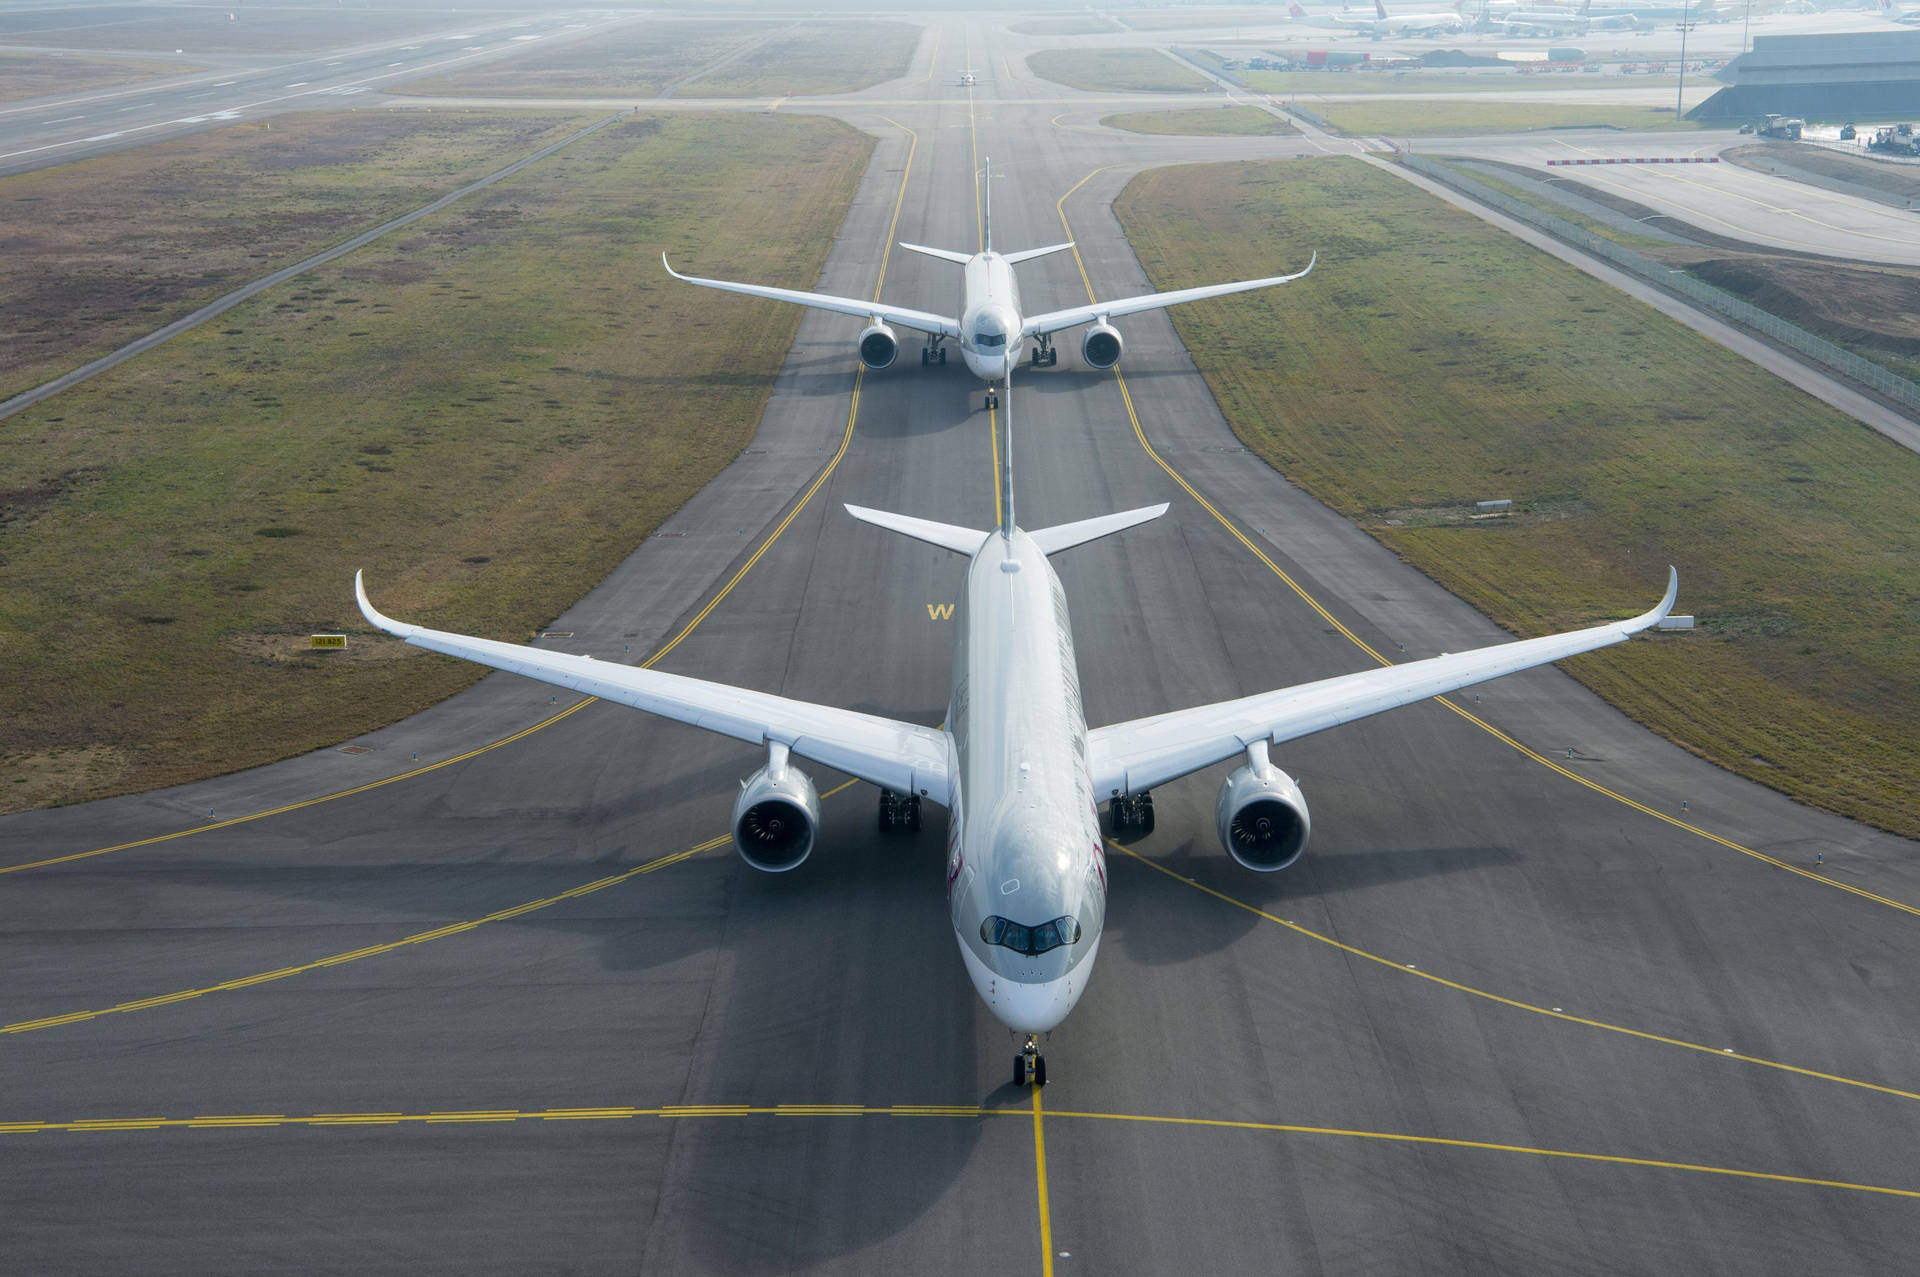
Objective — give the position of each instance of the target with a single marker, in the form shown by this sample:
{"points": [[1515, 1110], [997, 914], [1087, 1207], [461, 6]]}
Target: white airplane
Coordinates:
{"points": [[1014, 764], [991, 330], [968, 79]]}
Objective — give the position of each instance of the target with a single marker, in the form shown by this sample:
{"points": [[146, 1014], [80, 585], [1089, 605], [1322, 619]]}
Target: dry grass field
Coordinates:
{"points": [[255, 27], [1416, 117], [698, 59], [1416, 374], [102, 251], [487, 412]]}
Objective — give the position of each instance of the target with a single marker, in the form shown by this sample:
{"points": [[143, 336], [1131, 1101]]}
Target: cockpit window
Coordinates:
{"points": [[1030, 940], [990, 341]]}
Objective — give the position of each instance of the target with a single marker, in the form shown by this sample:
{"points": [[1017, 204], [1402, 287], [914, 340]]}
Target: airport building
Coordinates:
{"points": [[1866, 75]]}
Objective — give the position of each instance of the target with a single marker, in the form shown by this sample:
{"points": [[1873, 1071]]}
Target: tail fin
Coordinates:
{"points": [[968, 541], [1380, 9]]}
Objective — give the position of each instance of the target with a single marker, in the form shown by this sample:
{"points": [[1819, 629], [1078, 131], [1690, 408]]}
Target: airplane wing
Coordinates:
{"points": [[923, 321], [894, 755], [1134, 756], [1054, 321]]}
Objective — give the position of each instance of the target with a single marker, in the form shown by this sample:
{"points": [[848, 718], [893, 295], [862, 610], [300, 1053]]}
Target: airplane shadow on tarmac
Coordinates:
{"points": [[1137, 910]]}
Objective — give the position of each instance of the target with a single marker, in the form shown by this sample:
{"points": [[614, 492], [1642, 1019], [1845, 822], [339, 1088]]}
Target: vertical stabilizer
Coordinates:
{"points": [[1006, 459], [986, 204]]}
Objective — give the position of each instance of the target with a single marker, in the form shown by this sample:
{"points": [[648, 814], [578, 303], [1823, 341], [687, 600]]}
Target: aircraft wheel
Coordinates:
{"points": [[1019, 1070], [1039, 1070], [943, 359], [913, 812]]}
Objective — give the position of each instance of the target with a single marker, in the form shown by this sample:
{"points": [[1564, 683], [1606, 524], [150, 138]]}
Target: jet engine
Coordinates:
{"points": [[1262, 818], [1101, 346], [878, 346], [776, 819]]}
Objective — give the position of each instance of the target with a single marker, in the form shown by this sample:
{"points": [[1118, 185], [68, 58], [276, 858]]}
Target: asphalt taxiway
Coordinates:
{"points": [[1545, 994]]}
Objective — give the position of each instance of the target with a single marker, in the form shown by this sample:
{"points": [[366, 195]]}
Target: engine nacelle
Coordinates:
{"points": [[776, 819], [878, 347], [1101, 346], [1262, 818]]}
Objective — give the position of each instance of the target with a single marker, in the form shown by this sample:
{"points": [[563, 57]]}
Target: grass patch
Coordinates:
{"points": [[699, 59], [1227, 121], [516, 397], [1468, 119], [196, 28], [637, 61], [836, 57], [1115, 70], [1425, 372], [1309, 83], [26, 75], [104, 250]]}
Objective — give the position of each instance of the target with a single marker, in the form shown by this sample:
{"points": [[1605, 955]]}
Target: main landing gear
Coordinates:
{"points": [[933, 352], [1030, 1065], [1132, 813], [1044, 354], [899, 811]]}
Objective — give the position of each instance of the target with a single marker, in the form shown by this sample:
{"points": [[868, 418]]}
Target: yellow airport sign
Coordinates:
{"points": [[326, 642]]}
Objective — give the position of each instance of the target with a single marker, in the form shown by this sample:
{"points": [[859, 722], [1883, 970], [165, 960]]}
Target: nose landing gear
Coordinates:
{"points": [[993, 398], [1030, 1065]]}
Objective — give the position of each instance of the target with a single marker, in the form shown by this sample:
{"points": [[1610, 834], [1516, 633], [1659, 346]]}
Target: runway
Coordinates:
{"points": [[1545, 994]]}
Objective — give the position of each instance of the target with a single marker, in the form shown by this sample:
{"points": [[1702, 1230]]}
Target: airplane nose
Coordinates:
{"points": [[1038, 1007]]}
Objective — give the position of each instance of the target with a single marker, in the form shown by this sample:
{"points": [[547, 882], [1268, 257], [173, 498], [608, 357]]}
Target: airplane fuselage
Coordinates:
{"points": [[1026, 874], [990, 337]]}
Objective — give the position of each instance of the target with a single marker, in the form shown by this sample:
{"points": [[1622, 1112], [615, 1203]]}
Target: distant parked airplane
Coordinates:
{"points": [[1380, 22], [990, 329], [1014, 764]]}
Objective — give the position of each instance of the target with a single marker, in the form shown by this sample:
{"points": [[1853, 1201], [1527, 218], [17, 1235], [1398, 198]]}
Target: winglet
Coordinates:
{"points": [[1647, 620], [374, 617], [670, 270]]}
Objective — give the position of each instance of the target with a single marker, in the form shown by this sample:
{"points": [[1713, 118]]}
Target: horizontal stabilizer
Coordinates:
{"points": [[1027, 255], [1067, 535], [944, 254], [965, 541]]}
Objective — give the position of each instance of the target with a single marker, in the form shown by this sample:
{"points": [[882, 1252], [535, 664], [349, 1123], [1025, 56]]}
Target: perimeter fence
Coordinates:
{"points": [[1865, 372]]}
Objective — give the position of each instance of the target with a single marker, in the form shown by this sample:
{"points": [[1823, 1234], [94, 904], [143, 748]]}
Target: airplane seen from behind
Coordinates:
{"points": [[990, 328], [1014, 764]]}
